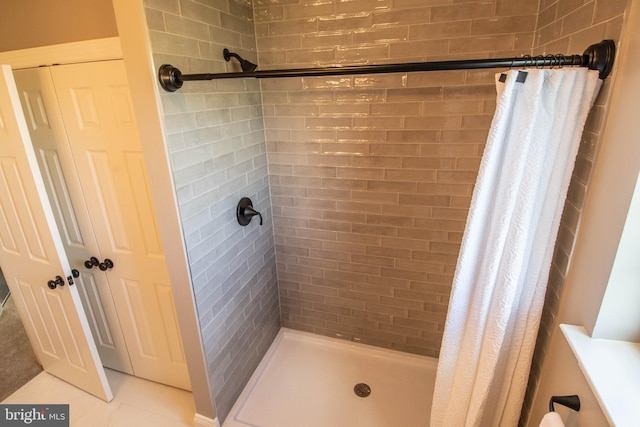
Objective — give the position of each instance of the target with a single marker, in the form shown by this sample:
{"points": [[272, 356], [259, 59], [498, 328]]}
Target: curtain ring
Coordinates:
{"points": [[551, 59], [526, 58], [561, 58], [538, 59]]}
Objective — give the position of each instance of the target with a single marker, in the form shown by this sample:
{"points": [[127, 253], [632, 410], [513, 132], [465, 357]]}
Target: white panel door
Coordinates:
{"points": [[31, 254], [100, 123], [53, 153]]}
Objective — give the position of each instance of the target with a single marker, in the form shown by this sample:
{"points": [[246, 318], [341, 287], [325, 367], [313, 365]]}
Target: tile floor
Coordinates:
{"points": [[136, 402]]}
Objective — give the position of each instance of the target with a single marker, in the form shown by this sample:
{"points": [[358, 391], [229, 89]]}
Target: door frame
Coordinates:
{"points": [[133, 45]]}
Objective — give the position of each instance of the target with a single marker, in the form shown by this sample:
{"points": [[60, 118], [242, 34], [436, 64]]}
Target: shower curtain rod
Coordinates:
{"points": [[598, 56]]}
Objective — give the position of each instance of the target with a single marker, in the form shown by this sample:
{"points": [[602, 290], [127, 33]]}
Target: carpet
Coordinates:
{"points": [[19, 363]]}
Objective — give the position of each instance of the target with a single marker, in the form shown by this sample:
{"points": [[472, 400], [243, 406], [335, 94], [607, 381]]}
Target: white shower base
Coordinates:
{"points": [[306, 380]]}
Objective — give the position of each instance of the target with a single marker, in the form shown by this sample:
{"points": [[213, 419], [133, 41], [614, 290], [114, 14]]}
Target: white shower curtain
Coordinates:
{"points": [[502, 271]]}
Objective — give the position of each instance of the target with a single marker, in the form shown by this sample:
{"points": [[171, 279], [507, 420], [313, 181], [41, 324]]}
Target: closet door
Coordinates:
{"points": [[53, 153], [100, 123], [32, 255]]}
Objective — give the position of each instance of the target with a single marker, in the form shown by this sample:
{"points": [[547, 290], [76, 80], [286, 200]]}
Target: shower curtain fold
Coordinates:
{"points": [[501, 275]]}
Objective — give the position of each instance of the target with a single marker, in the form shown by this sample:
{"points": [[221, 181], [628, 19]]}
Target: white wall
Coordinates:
{"points": [[45, 22], [619, 316]]}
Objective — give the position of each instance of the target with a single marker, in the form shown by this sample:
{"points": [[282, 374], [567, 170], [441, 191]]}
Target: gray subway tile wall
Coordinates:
{"points": [[372, 176], [365, 181], [216, 141]]}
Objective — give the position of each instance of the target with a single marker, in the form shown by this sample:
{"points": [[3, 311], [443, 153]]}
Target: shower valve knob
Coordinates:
{"points": [[245, 212]]}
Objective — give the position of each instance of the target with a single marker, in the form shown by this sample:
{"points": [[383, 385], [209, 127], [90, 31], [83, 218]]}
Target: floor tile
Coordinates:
{"points": [[136, 402]]}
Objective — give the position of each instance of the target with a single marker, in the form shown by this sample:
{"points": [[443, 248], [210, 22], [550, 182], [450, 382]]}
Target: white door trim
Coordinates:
{"points": [[66, 53]]}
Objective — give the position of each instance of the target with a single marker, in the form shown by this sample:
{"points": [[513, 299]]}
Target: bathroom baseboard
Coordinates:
{"points": [[202, 421]]}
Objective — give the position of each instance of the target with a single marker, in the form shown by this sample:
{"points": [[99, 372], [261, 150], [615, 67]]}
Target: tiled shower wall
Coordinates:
{"points": [[217, 148], [571, 26], [372, 175]]}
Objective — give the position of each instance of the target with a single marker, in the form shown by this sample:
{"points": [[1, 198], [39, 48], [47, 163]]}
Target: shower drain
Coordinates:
{"points": [[362, 390]]}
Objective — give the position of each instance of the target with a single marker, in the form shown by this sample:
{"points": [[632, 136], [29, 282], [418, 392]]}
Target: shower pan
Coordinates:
{"points": [[315, 381]]}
